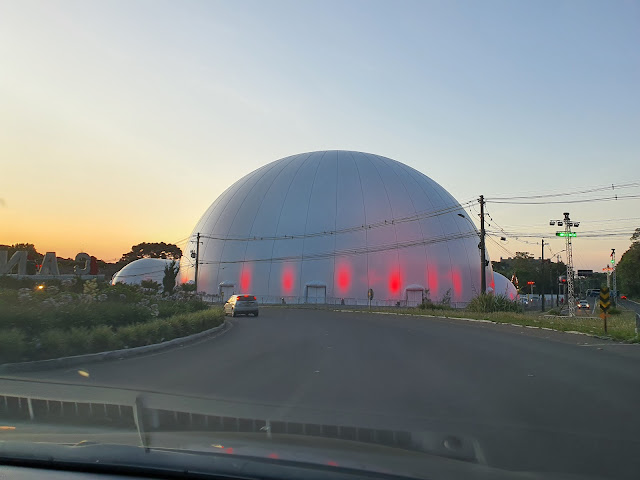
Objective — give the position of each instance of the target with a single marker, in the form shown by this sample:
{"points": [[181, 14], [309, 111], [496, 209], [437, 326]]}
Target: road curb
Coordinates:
{"points": [[66, 362]]}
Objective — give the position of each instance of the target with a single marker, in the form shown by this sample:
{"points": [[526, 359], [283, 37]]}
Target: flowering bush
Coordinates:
{"points": [[60, 317]]}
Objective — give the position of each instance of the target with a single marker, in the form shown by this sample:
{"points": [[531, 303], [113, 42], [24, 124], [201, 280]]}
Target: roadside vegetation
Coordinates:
{"points": [[499, 309], [74, 317], [620, 322]]}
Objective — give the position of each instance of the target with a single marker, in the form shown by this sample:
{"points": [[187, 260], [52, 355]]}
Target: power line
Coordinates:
{"points": [[382, 223], [549, 202], [565, 193], [350, 251], [509, 252]]}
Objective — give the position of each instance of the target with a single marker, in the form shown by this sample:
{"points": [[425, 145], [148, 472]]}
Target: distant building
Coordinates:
{"points": [[503, 286], [325, 227], [143, 269]]}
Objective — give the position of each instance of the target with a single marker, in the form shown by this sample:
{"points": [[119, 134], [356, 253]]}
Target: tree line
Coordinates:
{"points": [[628, 268]]}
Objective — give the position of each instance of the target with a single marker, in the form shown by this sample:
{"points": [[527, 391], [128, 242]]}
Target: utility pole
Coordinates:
{"points": [[615, 288], [483, 255], [197, 259], [558, 282], [542, 277]]}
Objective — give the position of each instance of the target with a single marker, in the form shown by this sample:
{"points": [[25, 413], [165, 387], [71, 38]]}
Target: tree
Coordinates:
{"points": [[32, 253], [628, 268], [169, 279], [152, 250], [527, 268]]}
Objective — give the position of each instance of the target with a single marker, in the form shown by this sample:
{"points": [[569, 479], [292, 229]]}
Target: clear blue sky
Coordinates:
{"points": [[107, 106]]}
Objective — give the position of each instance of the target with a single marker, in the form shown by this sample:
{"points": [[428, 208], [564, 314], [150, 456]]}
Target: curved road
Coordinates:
{"points": [[533, 399]]}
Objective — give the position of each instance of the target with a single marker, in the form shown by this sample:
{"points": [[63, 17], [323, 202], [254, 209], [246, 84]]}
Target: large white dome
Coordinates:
{"points": [[503, 286], [142, 269], [326, 226]]}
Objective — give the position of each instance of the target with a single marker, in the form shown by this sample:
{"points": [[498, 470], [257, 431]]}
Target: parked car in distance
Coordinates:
{"points": [[241, 305], [583, 304]]}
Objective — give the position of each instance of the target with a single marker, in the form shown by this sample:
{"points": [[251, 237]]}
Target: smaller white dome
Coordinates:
{"points": [[504, 287], [143, 269]]}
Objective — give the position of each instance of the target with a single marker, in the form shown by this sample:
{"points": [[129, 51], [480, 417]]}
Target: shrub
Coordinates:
{"points": [[102, 339], [169, 279], [614, 311], [12, 345], [57, 336], [446, 298], [128, 337], [171, 308], [486, 303], [14, 283], [165, 330], [79, 341], [178, 325], [53, 343], [90, 287], [150, 284], [188, 287], [429, 305], [554, 311], [123, 293]]}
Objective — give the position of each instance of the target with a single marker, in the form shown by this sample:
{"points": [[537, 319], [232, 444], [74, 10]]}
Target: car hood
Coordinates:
{"points": [[76, 423]]}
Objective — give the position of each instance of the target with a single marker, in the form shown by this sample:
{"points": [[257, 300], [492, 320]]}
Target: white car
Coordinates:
{"points": [[241, 305], [583, 304]]}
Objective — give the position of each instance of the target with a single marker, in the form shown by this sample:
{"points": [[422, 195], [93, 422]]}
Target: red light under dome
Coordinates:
{"points": [[245, 280], [395, 282]]}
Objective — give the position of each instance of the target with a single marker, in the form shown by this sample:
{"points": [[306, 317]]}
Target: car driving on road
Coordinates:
{"points": [[583, 304], [241, 305]]}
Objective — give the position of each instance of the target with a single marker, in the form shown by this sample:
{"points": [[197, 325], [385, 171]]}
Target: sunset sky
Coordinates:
{"points": [[122, 121]]}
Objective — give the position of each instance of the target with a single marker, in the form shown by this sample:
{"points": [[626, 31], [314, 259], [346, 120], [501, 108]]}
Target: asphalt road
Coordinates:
{"points": [[533, 399], [630, 304]]}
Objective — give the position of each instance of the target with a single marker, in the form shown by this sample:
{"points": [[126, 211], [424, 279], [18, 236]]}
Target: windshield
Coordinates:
{"points": [[348, 237]]}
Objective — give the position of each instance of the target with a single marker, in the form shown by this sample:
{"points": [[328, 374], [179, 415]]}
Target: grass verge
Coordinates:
{"points": [[15, 346], [620, 327]]}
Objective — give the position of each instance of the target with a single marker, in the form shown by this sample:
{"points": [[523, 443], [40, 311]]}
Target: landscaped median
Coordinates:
{"points": [[40, 322]]}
